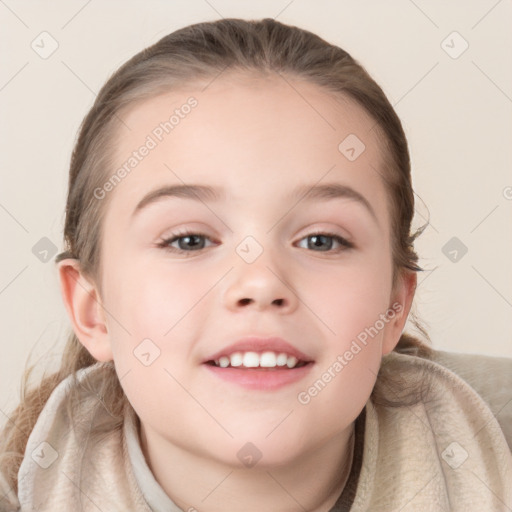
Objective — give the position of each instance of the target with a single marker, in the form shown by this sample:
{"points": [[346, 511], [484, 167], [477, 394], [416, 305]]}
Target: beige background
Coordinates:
{"points": [[456, 113]]}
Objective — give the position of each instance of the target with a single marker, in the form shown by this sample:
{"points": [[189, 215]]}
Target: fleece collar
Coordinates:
{"points": [[445, 453]]}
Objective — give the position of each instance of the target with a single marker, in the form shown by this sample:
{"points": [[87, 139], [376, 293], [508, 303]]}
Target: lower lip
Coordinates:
{"points": [[265, 379]]}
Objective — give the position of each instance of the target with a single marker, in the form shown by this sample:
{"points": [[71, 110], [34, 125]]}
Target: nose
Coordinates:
{"points": [[260, 285]]}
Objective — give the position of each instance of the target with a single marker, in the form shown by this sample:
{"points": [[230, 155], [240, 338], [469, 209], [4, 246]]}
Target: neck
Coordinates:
{"points": [[312, 482]]}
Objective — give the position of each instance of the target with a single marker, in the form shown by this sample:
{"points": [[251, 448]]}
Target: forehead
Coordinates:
{"points": [[247, 102], [245, 132]]}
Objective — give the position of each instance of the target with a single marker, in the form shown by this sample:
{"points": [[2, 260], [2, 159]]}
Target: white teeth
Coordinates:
{"points": [[236, 359], [291, 362], [267, 359], [224, 362], [251, 360], [281, 359]]}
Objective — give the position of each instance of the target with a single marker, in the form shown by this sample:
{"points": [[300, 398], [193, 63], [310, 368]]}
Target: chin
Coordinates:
{"points": [[260, 452]]}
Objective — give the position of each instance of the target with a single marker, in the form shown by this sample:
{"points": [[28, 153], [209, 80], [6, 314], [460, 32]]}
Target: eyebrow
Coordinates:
{"points": [[197, 192], [205, 193], [329, 191]]}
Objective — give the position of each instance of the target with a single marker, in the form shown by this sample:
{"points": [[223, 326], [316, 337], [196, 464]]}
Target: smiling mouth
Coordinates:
{"points": [[259, 371], [265, 361]]}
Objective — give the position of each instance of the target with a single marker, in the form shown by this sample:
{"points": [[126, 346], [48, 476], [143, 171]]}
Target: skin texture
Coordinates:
{"points": [[258, 138]]}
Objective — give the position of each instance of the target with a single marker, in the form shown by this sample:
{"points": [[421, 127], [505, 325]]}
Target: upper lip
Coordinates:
{"points": [[260, 345]]}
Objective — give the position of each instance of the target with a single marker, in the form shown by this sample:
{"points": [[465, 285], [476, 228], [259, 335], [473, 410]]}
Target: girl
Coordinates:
{"points": [[238, 273]]}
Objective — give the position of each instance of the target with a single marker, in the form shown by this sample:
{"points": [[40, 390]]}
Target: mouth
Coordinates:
{"points": [[266, 361], [262, 371]]}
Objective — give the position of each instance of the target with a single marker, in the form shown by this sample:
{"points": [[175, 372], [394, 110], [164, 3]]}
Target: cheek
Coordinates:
{"points": [[158, 311], [152, 334], [350, 311], [350, 305], [349, 299], [353, 304], [150, 300]]}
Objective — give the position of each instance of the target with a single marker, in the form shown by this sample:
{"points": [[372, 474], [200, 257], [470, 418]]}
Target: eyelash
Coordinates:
{"points": [[165, 243]]}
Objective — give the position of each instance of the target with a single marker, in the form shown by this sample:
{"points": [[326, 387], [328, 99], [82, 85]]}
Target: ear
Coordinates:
{"points": [[83, 304], [401, 302]]}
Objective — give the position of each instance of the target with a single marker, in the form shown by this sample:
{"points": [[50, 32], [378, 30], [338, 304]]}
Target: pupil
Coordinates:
{"points": [[318, 239], [188, 238]]}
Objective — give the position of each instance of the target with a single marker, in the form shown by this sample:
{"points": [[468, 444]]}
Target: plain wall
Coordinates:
{"points": [[456, 113]]}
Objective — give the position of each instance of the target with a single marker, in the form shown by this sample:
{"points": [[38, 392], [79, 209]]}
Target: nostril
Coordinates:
{"points": [[246, 301]]}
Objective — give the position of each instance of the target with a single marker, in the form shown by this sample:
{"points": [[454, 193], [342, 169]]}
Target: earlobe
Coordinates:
{"points": [[83, 304], [401, 304]]}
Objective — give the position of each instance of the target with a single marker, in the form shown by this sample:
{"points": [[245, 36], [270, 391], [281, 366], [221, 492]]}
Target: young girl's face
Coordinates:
{"points": [[251, 267]]}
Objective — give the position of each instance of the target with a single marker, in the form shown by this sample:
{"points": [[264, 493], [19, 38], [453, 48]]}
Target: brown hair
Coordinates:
{"points": [[201, 52]]}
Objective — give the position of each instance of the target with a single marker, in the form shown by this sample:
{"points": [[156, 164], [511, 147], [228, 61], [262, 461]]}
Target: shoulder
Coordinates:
{"points": [[436, 421], [489, 376], [485, 373]]}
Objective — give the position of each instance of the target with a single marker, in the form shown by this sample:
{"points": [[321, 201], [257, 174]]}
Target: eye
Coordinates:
{"points": [[186, 241], [190, 241], [324, 241]]}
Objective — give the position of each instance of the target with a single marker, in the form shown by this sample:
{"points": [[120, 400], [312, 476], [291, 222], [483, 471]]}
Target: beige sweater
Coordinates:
{"points": [[449, 452]]}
